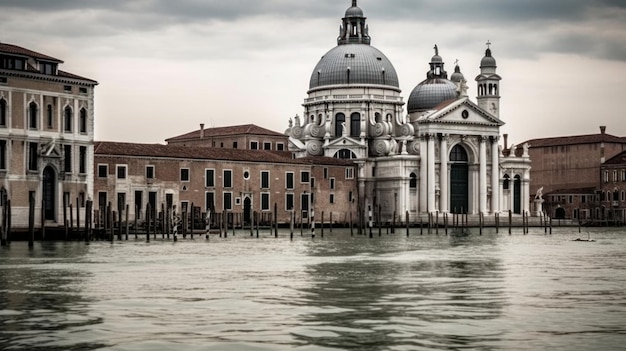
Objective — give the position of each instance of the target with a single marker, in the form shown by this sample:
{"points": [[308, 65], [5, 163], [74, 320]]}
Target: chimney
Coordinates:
{"points": [[602, 132], [201, 130], [506, 141]]}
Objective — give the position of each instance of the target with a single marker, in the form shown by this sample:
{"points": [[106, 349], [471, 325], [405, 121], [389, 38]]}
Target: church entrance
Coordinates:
{"points": [[459, 180], [49, 192]]}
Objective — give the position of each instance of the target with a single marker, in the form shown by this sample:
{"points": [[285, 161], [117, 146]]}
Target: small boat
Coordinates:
{"points": [[587, 240]]}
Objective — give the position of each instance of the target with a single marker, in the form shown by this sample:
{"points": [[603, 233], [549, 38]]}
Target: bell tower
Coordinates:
{"points": [[488, 84]]}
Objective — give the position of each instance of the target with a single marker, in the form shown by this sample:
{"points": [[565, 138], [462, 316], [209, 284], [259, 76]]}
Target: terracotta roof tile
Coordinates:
{"points": [[246, 129], [576, 139], [17, 50]]}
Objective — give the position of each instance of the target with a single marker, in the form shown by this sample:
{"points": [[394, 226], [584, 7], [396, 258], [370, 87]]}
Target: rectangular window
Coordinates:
{"points": [[83, 121], [254, 145], [312, 182], [3, 112], [332, 198], [623, 175], [606, 176], [265, 179], [82, 161], [184, 174], [121, 172], [67, 155], [332, 183], [288, 202], [209, 178], [50, 118], [289, 180], [149, 172], [3, 154], [304, 202], [267, 146], [234, 144], [325, 173], [102, 201], [4, 80], [228, 201], [280, 146], [349, 173], [82, 90], [265, 201], [304, 176], [209, 200], [228, 178], [33, 156], [103, 171], [67, 88]]}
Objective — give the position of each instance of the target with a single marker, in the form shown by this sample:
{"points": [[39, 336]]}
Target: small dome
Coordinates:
{"points": [[436, 59], [488, 60], [354, 11], [431, 93], [457, 76], [354, 64]]}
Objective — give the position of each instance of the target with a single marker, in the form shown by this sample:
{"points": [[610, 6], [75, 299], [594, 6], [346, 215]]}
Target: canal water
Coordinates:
{"points": [[339, 292]]}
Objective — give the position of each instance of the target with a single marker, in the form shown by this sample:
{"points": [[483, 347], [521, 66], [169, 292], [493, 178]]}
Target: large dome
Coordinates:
{"points": [[431, 93], [354, 64]]}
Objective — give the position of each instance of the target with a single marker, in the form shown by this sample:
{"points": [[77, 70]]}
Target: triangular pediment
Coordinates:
{"points": [[460, 112], [344, 142], [50, 150]]}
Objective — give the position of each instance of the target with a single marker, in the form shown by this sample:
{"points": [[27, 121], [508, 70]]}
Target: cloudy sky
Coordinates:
{"points": [[166, 66]]}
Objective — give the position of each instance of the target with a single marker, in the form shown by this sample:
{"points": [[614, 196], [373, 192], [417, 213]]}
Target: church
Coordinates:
{"points": [[443, 155]]}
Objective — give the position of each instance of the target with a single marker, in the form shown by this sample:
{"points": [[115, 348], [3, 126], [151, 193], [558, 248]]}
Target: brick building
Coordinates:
{"points": [[569, 171], [46, 135], [611, 196], [236, 181], [248, 136]]}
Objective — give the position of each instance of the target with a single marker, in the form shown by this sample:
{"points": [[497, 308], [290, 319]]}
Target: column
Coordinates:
{"points": [[526, 191], [431, 173], [423, 195], [482, 175], [443, 174], [495, 175]]}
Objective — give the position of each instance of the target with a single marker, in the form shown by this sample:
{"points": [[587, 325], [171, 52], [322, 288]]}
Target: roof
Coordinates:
{"points": [[17, 50], [576, 139], [206, 153], [246, 129], [619, 159]]}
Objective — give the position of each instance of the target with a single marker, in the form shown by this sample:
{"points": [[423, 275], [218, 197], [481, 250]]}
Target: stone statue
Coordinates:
{"points": [[513, 149], [525, 147], [539, 195], [290, 122], [436, 50], [344, 130]]}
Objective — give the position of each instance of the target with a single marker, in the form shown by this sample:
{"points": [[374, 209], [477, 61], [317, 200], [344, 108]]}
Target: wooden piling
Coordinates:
{"points": [[351, 226], [148, 215], [127, 224], [31, 219], [497, 221], [378, 221], [3, 231], [445, 220], [322, 227], [64, 216], [275, 220], [480, 223], [77, 220], [137, 209], [330, 222], [370, 220], [406, 223], [291, 223], [8, 221], [437, 222]]}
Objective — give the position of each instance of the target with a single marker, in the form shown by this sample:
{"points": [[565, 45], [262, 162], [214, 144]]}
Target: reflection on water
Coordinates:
{"points": [[429, 292]]}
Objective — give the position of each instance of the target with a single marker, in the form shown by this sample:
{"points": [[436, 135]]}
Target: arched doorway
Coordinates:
{"points": [[559, 213], [49, 193], [459, 180], [247, 209], [517, 195]]}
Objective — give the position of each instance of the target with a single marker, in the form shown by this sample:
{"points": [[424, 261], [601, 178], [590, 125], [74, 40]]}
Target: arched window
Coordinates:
{"points": [[413, 181], [312, 119], [345, 154], [355, 124], [83, 120], [495, 89], [32, 115], [378, 118], [50, 120], [506, 184], [389, 117], [67, 121], [340, 119], [490, 89], [608, 196], [458, 154], [3, 112]]}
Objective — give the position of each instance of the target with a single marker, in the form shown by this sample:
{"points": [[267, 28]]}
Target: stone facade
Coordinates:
{"points": [[46, 135]]}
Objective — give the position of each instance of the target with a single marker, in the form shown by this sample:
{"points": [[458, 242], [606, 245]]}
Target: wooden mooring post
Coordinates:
{"points": [[148, 213], [510, 222], [275, 220], [31, 219], [406, 223]]}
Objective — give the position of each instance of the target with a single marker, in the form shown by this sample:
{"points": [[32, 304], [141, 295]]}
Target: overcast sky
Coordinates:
{"points": [[166, 66]]}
